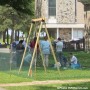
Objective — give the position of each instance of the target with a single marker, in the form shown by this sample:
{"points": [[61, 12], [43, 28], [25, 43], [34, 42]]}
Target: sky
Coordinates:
{"points": [[9, 32]]}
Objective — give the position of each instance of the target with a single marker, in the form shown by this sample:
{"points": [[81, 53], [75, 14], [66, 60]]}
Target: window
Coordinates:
{"points": [[77, 34], [52, 7]]}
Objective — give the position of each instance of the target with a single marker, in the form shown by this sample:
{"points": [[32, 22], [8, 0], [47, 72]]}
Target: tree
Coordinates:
{"points": [[24, 6], [87, 23], [85, 1], [14, 18]]}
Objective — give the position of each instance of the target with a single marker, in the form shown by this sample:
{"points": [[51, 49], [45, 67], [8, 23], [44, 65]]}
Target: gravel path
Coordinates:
{"points": [[45, 82]]}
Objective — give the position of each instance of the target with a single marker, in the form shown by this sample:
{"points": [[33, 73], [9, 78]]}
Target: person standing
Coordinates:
{"points": [[59, 51], [45, 47], [19, 52], [32, 47]]}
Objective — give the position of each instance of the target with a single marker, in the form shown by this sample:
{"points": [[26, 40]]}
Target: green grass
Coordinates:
{"points": [[75, 86], [51, 74], [83, 58], [7, 76], [4, 61]]}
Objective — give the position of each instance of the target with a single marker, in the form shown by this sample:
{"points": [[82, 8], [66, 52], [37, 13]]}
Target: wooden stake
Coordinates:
{"points": [[30, 68], [51, 46], [25, 48], [42, 59]]}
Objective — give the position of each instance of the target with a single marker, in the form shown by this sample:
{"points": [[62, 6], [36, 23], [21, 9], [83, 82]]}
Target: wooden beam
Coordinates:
{"points": [[38, 19]]}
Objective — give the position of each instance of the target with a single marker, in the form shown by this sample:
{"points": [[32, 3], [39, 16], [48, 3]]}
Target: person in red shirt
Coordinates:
{"points": [[32, 45]]}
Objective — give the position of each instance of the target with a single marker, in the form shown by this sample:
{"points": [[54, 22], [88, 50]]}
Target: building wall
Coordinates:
{"points": [[65, 11], [80, 12], [65, 34]]}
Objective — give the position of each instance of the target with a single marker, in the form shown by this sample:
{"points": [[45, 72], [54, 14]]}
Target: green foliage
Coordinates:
{"points": [[52, 39], [9, 18], [23, 6], [85, 1], [5, 17], [7, 23], [17, 27], [16, 14]]}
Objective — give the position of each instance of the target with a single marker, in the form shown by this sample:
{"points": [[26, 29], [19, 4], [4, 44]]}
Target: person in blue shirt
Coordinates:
{"points": [[59, 51], [45, 47]]}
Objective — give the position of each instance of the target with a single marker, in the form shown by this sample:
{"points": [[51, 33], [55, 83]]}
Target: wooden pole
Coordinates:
{"points": [[38, 19], [42, 58], [51, 46], [10, 61], [25, 47], [30, 68]]}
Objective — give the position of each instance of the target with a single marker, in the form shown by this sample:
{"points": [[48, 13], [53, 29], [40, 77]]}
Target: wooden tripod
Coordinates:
{"points": [[42, 20]]}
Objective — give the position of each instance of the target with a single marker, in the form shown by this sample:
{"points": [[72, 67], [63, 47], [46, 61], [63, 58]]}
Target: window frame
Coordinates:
{"points": [[51, 7]]}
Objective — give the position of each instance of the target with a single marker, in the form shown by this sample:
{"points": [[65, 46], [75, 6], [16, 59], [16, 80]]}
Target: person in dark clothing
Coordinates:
{"points": [[19, 52], [20, 46]]}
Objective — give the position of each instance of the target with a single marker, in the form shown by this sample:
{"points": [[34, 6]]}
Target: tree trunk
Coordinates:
{"points": [[12, 36], [4, 35], [7, 37], [18, 35], [15, 35]]}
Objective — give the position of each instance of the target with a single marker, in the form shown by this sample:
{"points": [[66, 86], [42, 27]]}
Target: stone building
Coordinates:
{"points": [[87, 23], [64, 18]]}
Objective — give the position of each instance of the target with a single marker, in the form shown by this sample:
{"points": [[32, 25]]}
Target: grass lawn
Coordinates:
{"points": [[76, 86], [51, 74], [7, 76]]}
